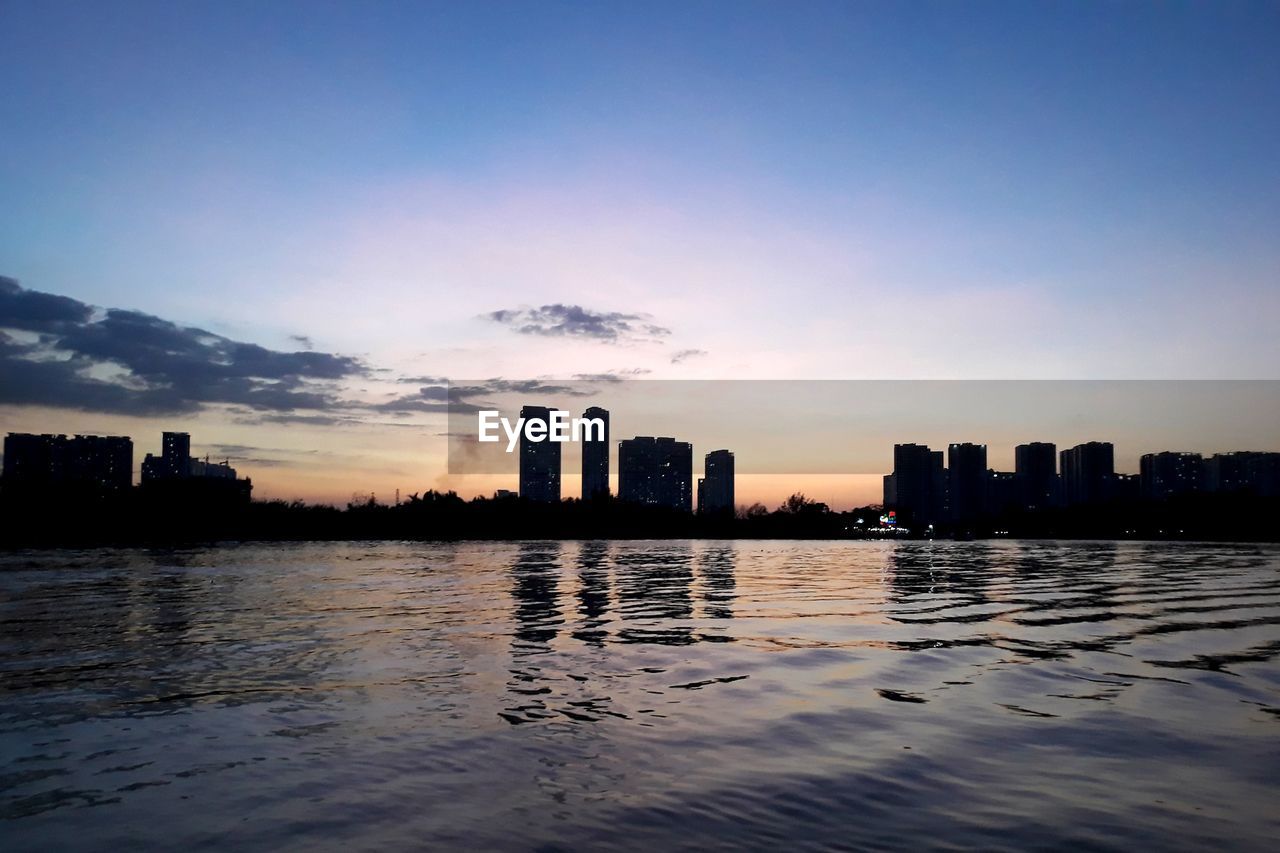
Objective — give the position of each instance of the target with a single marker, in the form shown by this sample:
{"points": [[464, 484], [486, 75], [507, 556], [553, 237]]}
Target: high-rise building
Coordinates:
{"points": [[1004, 493], [175, 450], [715, 489], [1036, 466], [174, 461], [1167, 474], [1124, 488], [177, 487], [916, 489], [595, 457], [966, 481], [1088, 472], [656, 471], [1243, 471], [539, 460], [85, 464], [1227, 472]]}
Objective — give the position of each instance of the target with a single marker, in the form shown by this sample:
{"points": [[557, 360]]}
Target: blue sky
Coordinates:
{"points": [[794, 190]]}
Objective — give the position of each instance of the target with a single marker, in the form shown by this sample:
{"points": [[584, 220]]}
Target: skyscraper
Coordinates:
{"points": [[1036, 466], [715, 489], [917, 487], [175, 462], [1243, 471], [1088, 472], [595, 458], [966, 481], [539, 461], [656, 471], [175, 449], [1167, 474], [85, 464]]}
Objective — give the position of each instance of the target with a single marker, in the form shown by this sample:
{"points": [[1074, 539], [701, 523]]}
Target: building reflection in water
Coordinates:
{"points": [[593, 592], [635, 593], [654, 587], [716, 566], [535, 590], [1004, 595], [921, 571], [535, 596]]}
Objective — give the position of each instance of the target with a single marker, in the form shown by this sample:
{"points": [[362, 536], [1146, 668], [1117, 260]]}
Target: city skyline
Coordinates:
{"points": [[281, 246], [659, 471]]}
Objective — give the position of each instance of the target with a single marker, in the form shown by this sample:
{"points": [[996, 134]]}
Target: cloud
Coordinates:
{"points": [[32, 311], [686, 354], [303, 341], [613, 375], [423, 380], [70, 355], [574, 321], [516, 386], [429, 398], [266, 457]]}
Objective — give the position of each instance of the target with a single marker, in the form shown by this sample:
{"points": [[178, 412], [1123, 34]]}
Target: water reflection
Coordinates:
{"points": [[535, 590], [593, 592], [716, 565], [992, 695], [655, 599], [929, 580]]}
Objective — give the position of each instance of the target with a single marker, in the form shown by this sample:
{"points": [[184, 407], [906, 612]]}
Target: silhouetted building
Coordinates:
{"points": [[175, 450], [595, 457], [656, 471], [1124, 488], [177, 487], [1004, 493], [1036, 465], [1088, 472], [715, 489], [175, 462], [1167, 474], [539, 461], [966, 481], [917, 487], [83, 465], [1243, 471]]}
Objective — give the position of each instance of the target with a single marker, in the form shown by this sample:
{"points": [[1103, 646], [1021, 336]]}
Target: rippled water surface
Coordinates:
{"points": [[642, 695]]}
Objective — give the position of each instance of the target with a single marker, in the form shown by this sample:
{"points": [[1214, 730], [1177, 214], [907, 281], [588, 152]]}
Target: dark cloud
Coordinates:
{"points": [[458, 397], [133, 363], [32, 311], [423, 380], [686, 354], [577, 322], [517, 386], [303, 341]]}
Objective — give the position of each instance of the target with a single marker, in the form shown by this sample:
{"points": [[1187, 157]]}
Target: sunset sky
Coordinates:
{"points": [[273, 224]]}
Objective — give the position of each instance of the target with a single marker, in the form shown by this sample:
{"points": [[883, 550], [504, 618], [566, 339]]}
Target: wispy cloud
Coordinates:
{"points": [[574, 321], [686, 354], [613, 375]]}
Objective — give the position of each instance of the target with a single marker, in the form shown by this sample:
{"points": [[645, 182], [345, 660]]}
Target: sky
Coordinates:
{"points": [[271, 223]]}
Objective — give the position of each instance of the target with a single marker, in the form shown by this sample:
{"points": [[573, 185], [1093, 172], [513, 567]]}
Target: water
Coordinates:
{"points": [[642, 695]]}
